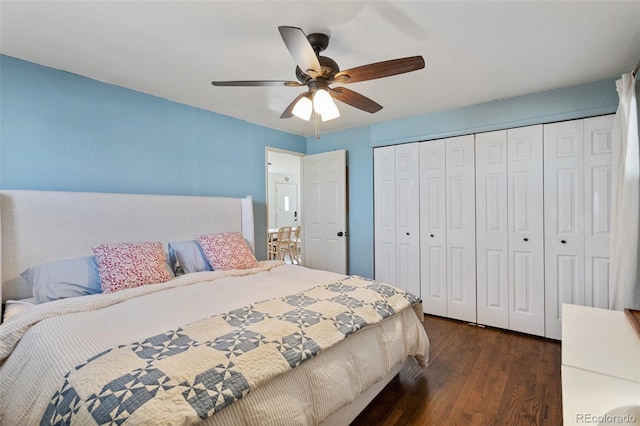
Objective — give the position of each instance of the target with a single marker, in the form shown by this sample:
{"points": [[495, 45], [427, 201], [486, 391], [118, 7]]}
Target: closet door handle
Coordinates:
{"points": [[526, 239], [407, 233], [432, 235], [563, 241]]}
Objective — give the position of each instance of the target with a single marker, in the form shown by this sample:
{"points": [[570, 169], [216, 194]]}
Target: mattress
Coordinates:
{"points": [[41, 345]]}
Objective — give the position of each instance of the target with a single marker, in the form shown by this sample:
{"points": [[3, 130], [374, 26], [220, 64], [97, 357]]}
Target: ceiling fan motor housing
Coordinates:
{"points": [[329, 69]]}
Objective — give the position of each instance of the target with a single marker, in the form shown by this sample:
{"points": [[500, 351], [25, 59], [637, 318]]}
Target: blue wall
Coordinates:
{"points": [[545, 107], [60, 131]]}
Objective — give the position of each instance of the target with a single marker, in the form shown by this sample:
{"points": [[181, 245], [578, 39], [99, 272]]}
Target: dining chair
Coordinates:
{"points": [[282, 244], [272, 248], [295, 244]]}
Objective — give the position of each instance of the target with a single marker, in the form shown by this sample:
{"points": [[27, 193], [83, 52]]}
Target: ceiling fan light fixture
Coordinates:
{"points": [[330, 115], [323, 104], [303, 108]]}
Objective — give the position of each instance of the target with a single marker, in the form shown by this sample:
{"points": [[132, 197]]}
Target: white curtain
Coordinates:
{"points": [[624, 272]]}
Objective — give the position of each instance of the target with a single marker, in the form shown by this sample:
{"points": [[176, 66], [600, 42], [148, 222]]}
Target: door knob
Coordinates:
{"points": [[526, 239], [340, 234], [407, 233], [563, 241], [432, 235]]}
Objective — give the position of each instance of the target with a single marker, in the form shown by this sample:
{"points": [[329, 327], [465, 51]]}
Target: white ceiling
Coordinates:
{"points": [[475, 51]]}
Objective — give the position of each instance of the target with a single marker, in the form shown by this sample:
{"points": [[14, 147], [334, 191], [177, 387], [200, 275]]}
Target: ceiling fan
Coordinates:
{"points": [[318, 72]]}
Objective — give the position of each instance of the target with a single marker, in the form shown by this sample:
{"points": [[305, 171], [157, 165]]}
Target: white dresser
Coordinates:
{"points": [[600, 367]]}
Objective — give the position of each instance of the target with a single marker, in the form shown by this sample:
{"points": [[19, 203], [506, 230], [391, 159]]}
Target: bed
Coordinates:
{"points": [[228, 346]]}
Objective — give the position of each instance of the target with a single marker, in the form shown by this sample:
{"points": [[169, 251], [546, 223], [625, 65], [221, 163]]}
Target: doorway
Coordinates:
{"points": [[284, 191], [309, 191]]}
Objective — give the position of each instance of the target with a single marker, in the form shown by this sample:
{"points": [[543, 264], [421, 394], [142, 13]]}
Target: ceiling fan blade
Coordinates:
{"points": [[300, 48], [381, 69], [249, 83], [288, 113], [355, 99]]}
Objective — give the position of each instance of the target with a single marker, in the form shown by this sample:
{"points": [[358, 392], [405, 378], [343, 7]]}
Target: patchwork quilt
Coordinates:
{"points": [[192, 372]]}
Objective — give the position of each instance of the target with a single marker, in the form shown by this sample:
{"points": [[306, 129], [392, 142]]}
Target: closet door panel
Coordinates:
{"points": [[491, 229], [433, 241], [597, 200], [385, 214], [563, 220], [407, 205], [525, 240], [460, 225]]}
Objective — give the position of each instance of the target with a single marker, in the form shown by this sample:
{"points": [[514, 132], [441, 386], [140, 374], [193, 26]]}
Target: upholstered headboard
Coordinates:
{"points": [[41, 226]]}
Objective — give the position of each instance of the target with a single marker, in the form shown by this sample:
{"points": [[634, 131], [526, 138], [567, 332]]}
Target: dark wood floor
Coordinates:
{"points": [[476, 376]]}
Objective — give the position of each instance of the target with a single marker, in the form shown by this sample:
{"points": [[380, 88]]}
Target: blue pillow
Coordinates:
{"points": [[61, 279], [188, 256]]}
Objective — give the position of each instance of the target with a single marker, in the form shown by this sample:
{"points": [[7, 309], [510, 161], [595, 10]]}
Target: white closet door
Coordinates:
{"points": [[525, 210], [491, 229], [597, 196], [407, 204], [563, 220], [433, 237], [461, 232], [385, 214]]}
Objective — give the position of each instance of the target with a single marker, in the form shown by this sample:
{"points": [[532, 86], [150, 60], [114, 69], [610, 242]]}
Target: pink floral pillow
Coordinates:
{"points": [[128, 265], [227, 250]]}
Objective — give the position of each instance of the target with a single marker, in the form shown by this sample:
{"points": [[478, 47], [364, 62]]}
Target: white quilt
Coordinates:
{"points": [[38, 347]]}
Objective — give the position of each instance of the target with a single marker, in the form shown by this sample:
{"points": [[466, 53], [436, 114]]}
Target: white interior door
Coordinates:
{"points": [[526, 239], [597, 192], [492, 229], [385, 214], [324, 224], [286, 204], [577, 191], [433, 228], [461, 228], [563, 220], [407, 206]]}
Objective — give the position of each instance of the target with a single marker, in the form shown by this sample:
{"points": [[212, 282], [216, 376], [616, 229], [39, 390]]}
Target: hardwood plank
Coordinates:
{"points": [[476, 376]]}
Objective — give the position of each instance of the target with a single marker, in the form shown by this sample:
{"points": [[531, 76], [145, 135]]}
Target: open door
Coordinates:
{"points": [[324, 222]]}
